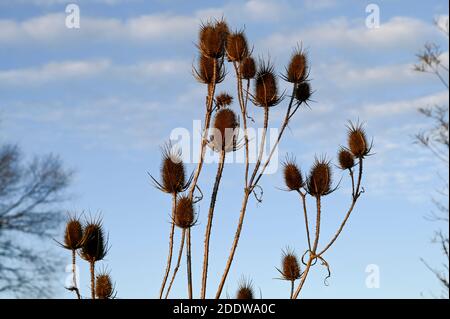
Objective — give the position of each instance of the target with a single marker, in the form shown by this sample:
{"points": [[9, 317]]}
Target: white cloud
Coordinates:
{"points": [[348, 34], [319, 4], [402, 106]]}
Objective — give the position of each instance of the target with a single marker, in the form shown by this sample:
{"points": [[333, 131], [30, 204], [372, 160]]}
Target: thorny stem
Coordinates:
{"points": [[175, 271], [169, 257], [74, 273], [247, 192], [189, 264], [305, 213], [92, 264], [210, 220], [292, 288], [352, 206], [262, 145], [312, 253]]}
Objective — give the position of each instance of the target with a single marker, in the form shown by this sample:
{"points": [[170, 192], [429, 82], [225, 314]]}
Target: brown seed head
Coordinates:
{"points": [[292, 175], [237, 48], [73, 236], [291, 266], [225, 121], [303, 92], [104, 288], [357, 141], [172, 171], [209, 70], [296, 71], [95, 246], [346, 159], [247, 68], [245, 290], [320, 178], [212, 38], [224, 99], [266, 86], [184, 213]]}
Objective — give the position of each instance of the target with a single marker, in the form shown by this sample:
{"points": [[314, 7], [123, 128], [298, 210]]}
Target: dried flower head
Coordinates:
{"points": [[292, 175], [245, 290], [291, 266], [303, 92], [247, 68], [346, 159], [266, 86], [173, 178], [225, 131], [73, 235], [237, 48], [319, 181], [212, 40], [357, 141], [223, 99], [297, 69], [209, 70], [184, 213], [104, 288], [95, 245]]}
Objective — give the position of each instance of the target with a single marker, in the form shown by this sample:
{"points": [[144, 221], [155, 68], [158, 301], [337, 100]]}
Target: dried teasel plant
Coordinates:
{"points": [[104, 286], [245, 290], [290, 268], [319, 184]]}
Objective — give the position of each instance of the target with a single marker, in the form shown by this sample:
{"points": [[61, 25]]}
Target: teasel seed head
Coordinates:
{"points": [[212, 39], [104, 288], [245, 290], [357, 141], [319, 181], [292, 175], [73, 235], [303, 92], [266, 86], [291, 266], [247, 68], [223, 100], [184, 213], [237, 48], [205, 72], [296, 71], [95, 245], [225, 134], [346, 159]]}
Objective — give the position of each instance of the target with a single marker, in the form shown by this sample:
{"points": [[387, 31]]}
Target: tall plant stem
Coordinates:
{"points": [[169, 257], [189, 264], [92, 268], [175, 270], [312, 254], [74, 274], [305, 214], [210, 220]]}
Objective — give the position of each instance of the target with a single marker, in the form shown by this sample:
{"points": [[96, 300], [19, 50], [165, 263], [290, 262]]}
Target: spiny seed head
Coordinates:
{"points": [[225, 121], [346, 159], [73, 235], [209, 70], [224, 99], [292, 175], [245, 290], [319, 181], [303, 92], [291, 266], [184, 213], [104, 288], [296, 71], [172, 171], [237, 48], [212, 40], [357, 141], [95, 246], [266, 86], [247, 68]]}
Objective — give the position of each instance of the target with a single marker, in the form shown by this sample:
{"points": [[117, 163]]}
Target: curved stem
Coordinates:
{"points": [[169, 257], [305, 213], [261, 146], [210, 220], [175, 270]]}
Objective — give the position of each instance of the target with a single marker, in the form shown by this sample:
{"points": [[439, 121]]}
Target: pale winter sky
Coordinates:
{"points": [[107, 95]]}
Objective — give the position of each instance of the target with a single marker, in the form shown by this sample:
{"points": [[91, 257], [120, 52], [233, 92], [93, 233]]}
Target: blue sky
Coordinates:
{"points": [[106, 96]]}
